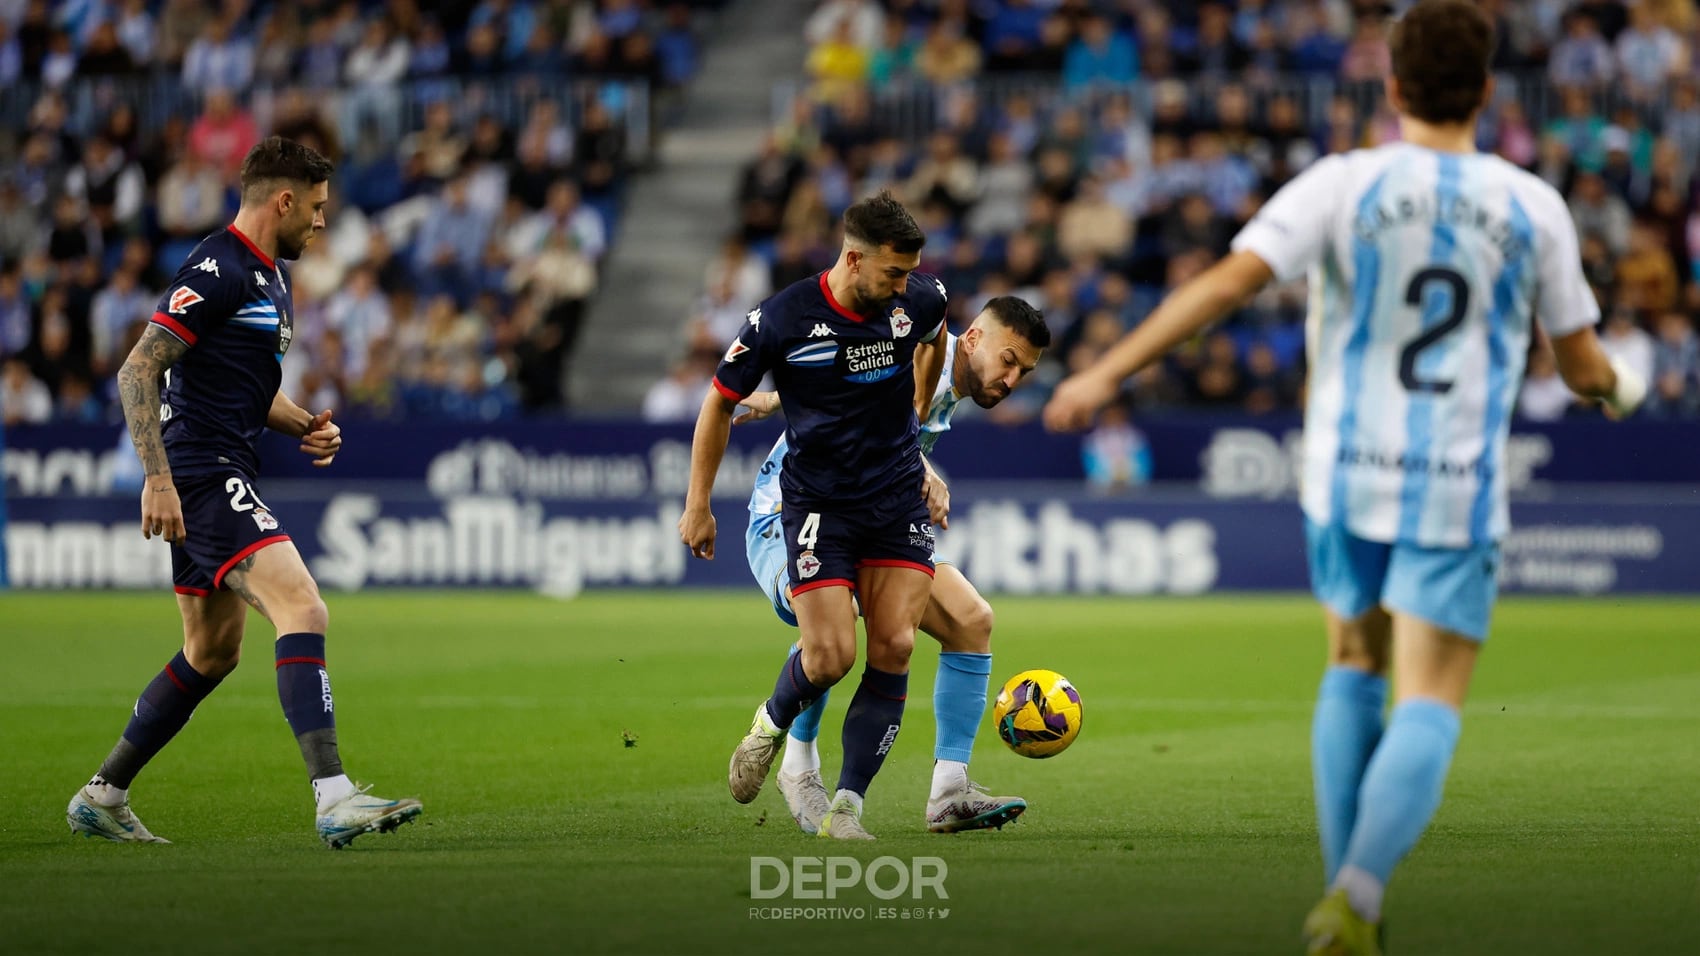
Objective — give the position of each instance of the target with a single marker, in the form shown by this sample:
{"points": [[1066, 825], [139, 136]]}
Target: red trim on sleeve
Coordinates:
{"points": [[192, 592], [926, 569], [218, 579], [175, 327], [826, 290], [251, 247], [822, 583], [731, 396]]}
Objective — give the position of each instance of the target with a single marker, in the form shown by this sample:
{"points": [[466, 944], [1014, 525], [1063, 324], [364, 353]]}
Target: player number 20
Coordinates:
{"points": [[239, 492], [810, 530]]}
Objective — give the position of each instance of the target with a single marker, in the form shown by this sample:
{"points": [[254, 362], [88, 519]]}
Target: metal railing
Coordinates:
{"points": [[909, 109], [158, 97]]}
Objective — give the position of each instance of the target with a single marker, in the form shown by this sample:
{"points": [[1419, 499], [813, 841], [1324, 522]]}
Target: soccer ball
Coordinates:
{"points": [[1038, 713]]}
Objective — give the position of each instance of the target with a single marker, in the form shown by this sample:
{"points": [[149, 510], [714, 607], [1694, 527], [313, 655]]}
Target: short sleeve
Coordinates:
{"points": [[938, 306], [1564, 302], [748, 358], [200, 298], [1290, 232]]}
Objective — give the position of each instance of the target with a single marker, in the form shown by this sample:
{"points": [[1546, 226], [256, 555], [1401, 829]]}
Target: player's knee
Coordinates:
{"points": [[826, 666], [977, 628], [216, 652], [309, 614], [891, 652]]}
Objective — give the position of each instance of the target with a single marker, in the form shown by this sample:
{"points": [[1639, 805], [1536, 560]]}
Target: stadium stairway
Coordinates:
{"points": [[678, 212]]}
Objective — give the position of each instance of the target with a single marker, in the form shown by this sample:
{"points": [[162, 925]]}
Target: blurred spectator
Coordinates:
{"points": [[679, 396], [1623, 339], [947, 56], [838, 64], [1583, 58], [219, 59], [1544, 396], [1676, 368], [1114, 454], [190, 199], [223, 133], [1100, 55], [1648, 53], [1600, 213], [24, 399], [864, 16]]}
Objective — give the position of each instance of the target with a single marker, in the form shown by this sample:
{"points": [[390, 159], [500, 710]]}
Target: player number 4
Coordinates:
{"points": [[810, 531]]}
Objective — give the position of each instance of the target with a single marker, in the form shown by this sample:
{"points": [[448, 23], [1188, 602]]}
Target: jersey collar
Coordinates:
{"points": [[826, 290], [251, 247]]}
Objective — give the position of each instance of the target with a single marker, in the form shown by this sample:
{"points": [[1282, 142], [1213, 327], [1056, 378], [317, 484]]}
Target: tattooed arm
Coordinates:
{"points": [[138, 390]]}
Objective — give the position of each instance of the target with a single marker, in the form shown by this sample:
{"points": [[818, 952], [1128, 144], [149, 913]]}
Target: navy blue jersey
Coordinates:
{"points": [[847, 384], [230, 304]]}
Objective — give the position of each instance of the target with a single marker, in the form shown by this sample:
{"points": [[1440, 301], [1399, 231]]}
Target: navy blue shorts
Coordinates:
{"points": [[827, 548], [225, 521]]}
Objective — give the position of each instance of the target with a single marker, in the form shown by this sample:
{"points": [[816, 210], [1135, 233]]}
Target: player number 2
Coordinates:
{"points": [[240, 490], [810, 531], [1414, 293]]}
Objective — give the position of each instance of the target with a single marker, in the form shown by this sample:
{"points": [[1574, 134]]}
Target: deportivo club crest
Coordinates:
{"points": [[808, 565], [900, 323]]}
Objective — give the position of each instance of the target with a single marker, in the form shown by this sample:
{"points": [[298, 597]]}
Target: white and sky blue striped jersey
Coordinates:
{"points": [[766, 498], [1426, 270]]}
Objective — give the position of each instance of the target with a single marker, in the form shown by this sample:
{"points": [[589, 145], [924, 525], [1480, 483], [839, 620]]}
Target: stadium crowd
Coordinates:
{"points": [[482, 146], [1091, 155]]}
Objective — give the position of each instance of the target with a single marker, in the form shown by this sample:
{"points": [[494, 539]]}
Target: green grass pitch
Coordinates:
{"points": [[1179, 823]]}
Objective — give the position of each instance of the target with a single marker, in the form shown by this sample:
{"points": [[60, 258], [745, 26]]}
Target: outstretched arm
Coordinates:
{"points": [[929, 364], [1201, 301], [138, 391]]}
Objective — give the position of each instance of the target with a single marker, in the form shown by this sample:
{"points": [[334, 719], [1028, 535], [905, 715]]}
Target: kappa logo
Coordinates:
{"points": [[755, 319], [182, 297], [940, 283], [819, 330], [208, 265], [808, 565], [900, 323], [734, 350], [259, 278]]}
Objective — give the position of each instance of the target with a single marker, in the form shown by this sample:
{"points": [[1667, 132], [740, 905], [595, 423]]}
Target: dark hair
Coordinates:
{"points": [[882, 221], [276, 158], [1441, 51], [1015, 314]]}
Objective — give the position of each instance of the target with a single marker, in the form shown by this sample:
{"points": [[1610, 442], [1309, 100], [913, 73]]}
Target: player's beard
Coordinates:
{"points": [[867, 303], [291, 247]]}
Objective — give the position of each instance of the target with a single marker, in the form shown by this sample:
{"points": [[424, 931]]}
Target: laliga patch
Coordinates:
{"points": [[900, 323], [264, 520], [808, 565], [734, 350], [181, 298]]}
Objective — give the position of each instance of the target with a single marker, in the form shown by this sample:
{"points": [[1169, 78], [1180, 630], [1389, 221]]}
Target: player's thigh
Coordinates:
{"points": [[956, 615], [821, 572], [826, 632], [1442, 601], [1347, 573], [213, 625], [893, 599], [275, 580], [764, 551]]}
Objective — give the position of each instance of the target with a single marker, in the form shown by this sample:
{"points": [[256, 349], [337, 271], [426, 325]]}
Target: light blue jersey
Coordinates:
{"points": [[1426, 271]]}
